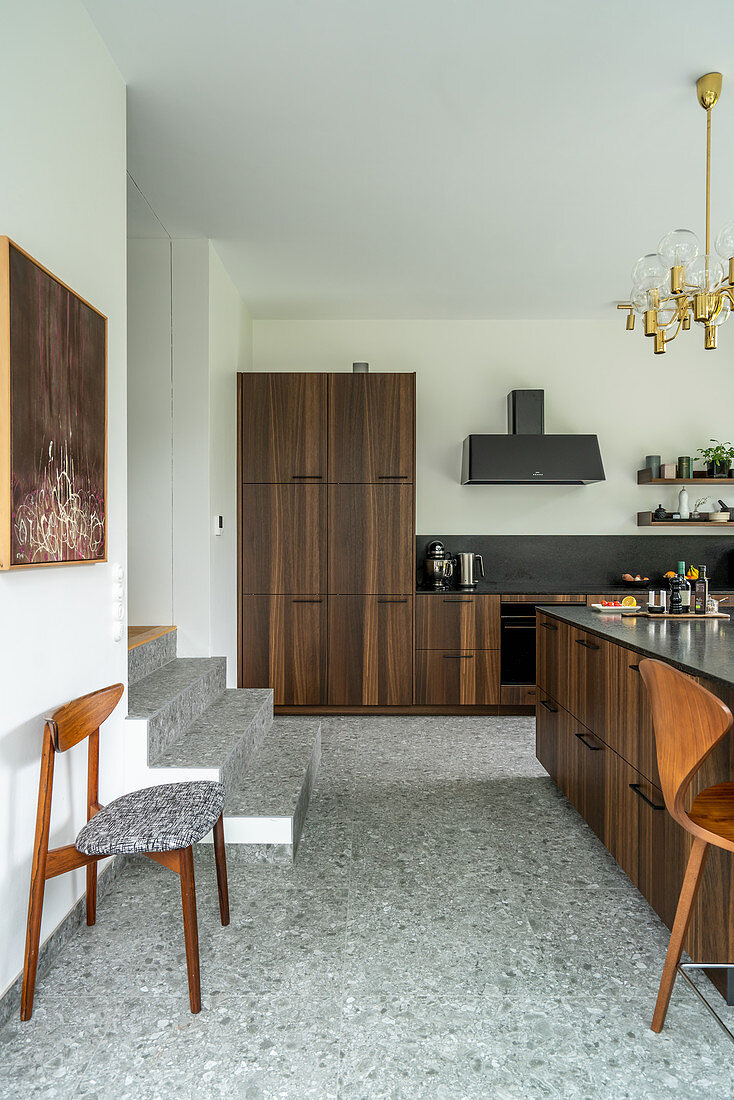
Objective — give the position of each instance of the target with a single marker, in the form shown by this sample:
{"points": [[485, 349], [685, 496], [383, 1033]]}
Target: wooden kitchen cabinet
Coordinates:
{"points": [[553, 659], [370, 539], [371, 428], [453, 620], [548, 720], [283, 539], [589, 681], [283, 646], [457, 678], [282, 427], [629, 723], [370, 651]]}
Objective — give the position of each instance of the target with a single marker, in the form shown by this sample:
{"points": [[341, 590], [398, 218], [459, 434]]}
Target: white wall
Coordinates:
{"points": [[230, 350], [189, 335], [150, 427], [62, 198], [597, 378]]}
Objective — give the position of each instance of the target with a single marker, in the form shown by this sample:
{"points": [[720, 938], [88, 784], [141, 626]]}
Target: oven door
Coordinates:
{"points": [[517, 644]]}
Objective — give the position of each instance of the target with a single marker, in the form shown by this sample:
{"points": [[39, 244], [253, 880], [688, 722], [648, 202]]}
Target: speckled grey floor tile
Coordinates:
{"points": [[450, 930]]}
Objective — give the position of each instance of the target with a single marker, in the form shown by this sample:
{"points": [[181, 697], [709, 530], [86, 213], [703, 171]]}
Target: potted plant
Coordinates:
{"points": [[718, 458]]}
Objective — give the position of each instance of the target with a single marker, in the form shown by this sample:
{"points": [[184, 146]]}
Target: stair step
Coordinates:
{"points": [[224, 737], [173, 696], [149, 647], [265, 811]]}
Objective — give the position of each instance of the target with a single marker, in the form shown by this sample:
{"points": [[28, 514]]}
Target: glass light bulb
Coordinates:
{"points": [[704, 273], [666, 316], [638, 300], [725, 241], [680, 246], [650, 272]]}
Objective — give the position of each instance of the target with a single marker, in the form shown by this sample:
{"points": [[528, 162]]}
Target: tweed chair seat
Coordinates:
{"points": [[155, 819]]}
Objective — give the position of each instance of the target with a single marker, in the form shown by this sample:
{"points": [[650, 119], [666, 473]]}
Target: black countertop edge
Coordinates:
{"points": [[701, 648], [523, 589]]}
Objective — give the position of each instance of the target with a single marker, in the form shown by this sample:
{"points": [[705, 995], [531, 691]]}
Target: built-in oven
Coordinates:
{"points": [[517, 643], [517, 637]]}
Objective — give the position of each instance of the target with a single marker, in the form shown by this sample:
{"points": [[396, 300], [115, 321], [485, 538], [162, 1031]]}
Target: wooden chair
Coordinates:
{"points": [[689, 722], [160, 822]]}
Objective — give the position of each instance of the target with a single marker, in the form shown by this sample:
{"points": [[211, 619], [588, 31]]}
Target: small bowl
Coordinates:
{"points": [[718, 517], [642, 583]]}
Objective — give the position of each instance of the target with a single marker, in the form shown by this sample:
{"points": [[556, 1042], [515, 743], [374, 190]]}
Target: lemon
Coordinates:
{"points": [[629, 601]]}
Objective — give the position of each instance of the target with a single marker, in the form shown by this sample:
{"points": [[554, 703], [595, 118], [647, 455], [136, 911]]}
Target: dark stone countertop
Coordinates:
{"points": [[524, 588], [703, 648]]}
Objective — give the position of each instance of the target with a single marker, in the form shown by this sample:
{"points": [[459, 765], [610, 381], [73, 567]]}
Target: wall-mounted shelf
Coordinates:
{"points": [[644, 519], [644, 477]]}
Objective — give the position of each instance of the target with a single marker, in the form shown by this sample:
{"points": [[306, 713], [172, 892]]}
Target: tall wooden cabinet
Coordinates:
{"points": [[326, 483]]}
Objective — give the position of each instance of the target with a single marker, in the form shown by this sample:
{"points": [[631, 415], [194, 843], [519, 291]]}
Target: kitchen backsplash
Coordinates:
{"points": [[566, 562]]}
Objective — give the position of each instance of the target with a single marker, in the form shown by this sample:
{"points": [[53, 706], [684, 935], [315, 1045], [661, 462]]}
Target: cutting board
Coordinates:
{"points": [[688, 615]]}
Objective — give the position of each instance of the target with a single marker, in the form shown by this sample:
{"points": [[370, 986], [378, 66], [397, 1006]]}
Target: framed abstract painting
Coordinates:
{"points": [[53, 418]]}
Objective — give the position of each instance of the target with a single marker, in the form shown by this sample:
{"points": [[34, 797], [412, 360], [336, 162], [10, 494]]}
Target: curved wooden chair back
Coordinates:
{"points": [[74, 721], [689, 723]]}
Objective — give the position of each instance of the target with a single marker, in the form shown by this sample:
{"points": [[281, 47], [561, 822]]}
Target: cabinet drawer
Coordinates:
{"points": [[457, 621], [541, 598], [629, 724], [283, 646], [518, 695], [457, 678], [370, 650]]}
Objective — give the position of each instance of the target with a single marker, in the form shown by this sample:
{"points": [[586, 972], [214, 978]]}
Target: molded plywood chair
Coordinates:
{"points": [[689, 722], [160, 822]]}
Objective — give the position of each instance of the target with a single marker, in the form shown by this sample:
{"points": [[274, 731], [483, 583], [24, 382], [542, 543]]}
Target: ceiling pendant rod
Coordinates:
{"points": [[708, 181]]}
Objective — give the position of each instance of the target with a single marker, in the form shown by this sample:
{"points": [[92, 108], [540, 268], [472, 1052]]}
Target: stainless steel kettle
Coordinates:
{"points": [[468, 575]]}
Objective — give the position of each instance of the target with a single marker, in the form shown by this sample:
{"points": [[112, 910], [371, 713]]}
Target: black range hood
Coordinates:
{"points": [[527, 456]]}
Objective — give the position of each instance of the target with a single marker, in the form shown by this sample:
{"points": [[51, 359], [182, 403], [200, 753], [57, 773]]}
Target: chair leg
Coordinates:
{"points": [[91, 893], [221, 861], [683, 914], [191, 931], [33, 935]]}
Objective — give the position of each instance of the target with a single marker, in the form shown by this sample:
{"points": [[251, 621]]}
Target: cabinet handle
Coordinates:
{"points": [[636, 788], [458, 656], [446, 600], [548, 626], [582, 739], [307, 477], [518, 626], [635, 668], [546, 704], [317, 600], [587, 645], [383, 600], [392, 477]]}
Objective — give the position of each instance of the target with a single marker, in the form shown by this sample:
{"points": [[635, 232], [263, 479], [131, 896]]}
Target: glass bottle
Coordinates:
{"points": [[701, 592]]}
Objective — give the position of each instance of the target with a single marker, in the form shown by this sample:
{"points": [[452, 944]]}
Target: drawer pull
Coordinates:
{"points": [[635, 668], [307, 477], [636, 788], [546, 704], [383, 600], [317, 600], [392, 477], [548, 626], [447, 600], [588, 744], [458, 656], [586, 645]]}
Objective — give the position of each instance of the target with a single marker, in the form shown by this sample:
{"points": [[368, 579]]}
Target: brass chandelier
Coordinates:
{"points": [[679, 281]]}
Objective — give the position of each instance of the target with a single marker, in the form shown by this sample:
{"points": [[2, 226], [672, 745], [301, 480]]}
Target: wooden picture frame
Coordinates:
{"points": [[53, 419]]}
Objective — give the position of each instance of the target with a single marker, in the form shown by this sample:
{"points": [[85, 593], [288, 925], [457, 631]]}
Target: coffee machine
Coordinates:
{"points": [[438, 566]]}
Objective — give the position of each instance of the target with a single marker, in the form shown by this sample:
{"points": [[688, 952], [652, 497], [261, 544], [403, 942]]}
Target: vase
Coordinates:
{"points": [[718, 469], [683, 504]]}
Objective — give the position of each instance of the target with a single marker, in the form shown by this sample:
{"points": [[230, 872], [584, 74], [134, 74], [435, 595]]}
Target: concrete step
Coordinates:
{"points": [[173, 696], [149, 647], [223, 739], [265, 811]]}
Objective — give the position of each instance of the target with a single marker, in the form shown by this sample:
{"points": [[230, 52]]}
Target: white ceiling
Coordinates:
{"points": [[424, 158]]}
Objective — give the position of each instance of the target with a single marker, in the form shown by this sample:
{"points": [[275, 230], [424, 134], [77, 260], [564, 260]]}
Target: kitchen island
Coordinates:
{"points": [[595, 738]]}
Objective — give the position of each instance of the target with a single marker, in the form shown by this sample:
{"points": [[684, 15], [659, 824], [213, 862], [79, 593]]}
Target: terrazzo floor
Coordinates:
{"points": [[451, 930]]}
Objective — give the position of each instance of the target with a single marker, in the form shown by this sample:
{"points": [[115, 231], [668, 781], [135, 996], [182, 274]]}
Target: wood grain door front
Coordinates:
{"points": [[283, 538], [284, 647], [371, 539], [282, 427], [371, 427], [370, 651], [448, 679], [547, 726], [455, 621]]}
